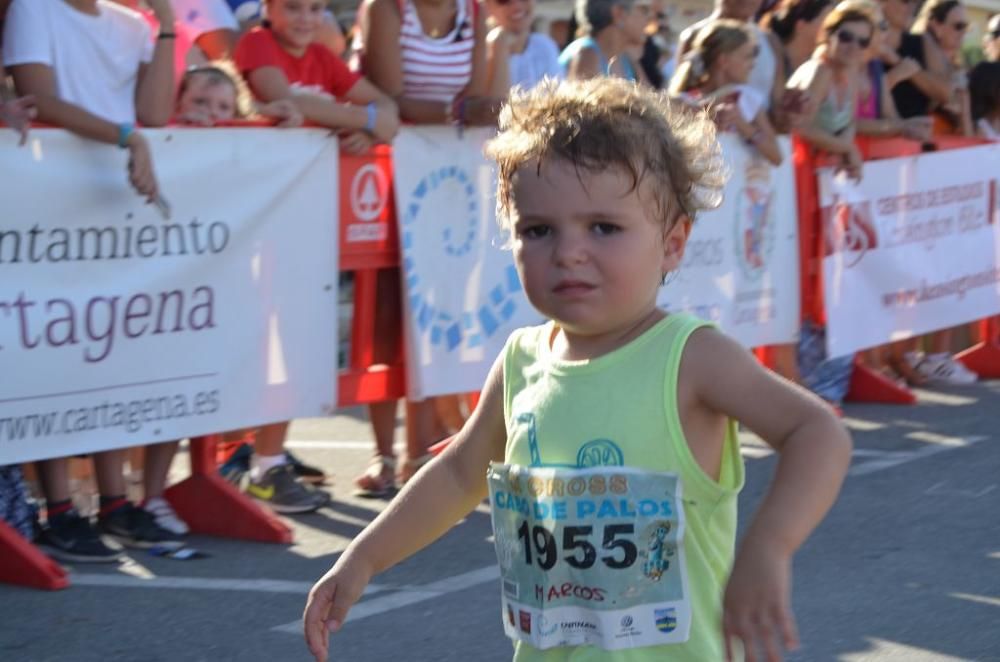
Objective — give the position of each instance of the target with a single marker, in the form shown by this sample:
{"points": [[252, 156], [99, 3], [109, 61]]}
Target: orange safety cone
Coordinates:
{"points": [[25, 565], [867, 385], [212, 506], [984, 358]]}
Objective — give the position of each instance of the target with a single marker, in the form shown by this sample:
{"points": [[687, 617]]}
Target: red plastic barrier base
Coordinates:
{"points": [[868, 385], [212, 506], [982, 359], [25, 565]]}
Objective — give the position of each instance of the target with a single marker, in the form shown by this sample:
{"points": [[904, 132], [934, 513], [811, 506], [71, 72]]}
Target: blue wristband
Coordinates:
{"points": [[124, 131], [372, 112]]}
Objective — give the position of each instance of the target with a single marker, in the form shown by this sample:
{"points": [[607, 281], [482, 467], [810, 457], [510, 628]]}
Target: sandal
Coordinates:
{"points": [[379, 479], [412, 466]]}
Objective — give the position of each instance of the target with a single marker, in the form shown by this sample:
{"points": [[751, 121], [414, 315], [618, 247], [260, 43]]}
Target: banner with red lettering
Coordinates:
{"points": [[741, 263], [913, 247], [120, 326]]}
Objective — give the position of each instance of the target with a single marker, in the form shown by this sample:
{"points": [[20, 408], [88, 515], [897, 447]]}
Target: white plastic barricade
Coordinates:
{"points": [[741, 265], [913, 247], [462, 296], [461, 291], [119, 326]]}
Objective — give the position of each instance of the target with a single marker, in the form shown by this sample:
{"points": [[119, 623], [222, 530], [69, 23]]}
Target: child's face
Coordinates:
{"points": [[738, 63], [208, 98], [589, 251], [296, 21]]}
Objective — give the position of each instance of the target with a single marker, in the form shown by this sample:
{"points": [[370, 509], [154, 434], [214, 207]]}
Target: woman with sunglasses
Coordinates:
{"points": [[830, 79], [714, 74], [525, 57], [945, 23], [876, 113]]}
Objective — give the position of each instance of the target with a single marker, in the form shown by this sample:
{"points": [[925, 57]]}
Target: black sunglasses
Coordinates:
{"points": [[847, 37]]}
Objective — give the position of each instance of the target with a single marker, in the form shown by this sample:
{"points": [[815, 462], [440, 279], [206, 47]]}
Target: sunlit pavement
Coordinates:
{"points": [[906, 567]]}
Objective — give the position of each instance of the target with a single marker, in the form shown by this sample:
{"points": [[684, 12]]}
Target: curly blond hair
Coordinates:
{"points": [[605, 123]]}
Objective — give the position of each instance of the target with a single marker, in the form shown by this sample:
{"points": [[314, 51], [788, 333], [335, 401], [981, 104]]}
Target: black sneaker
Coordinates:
{"points": [[135, 527], [69, 537], [306, 473], [285, 493]]}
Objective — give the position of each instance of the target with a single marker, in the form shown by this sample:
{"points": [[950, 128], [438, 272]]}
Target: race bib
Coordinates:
{"points": [[590, 556]]}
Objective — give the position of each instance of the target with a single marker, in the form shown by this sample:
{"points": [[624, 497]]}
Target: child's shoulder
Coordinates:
{"points": [[529, 338], [713, 363]]}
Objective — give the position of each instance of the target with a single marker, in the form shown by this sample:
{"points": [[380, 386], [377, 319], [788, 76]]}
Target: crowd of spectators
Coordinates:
{"points": [[108, 69]]}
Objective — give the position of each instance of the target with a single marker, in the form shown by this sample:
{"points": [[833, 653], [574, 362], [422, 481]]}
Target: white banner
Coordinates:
{"points": [[119, 327], [914, 247], [741, 265], [462, 296]]}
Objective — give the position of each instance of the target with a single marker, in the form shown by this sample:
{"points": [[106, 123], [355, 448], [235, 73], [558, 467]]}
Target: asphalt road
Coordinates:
{"points": [[906, 567]]}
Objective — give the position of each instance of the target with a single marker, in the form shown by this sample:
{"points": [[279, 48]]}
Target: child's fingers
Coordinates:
{"points": [[768, 635], [789, 629], [740, 627], [314, 624]]}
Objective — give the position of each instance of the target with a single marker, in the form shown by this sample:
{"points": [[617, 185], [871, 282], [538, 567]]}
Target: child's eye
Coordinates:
{"points": [[606, 228], [534, 231]]}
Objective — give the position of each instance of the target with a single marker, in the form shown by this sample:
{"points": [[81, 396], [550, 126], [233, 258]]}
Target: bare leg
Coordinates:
{"points": [[53, 476], [898, 362], [383, 417], [158, 460], [940, 342], [449, 413], [271, 439], [109, 468]]}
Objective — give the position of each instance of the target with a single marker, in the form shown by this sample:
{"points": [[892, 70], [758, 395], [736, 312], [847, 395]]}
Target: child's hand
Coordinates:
{"points": [[17, 114], [329, 601], [757, 605], [140, 167]]}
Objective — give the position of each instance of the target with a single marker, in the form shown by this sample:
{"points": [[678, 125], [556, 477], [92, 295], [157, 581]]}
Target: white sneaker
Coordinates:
{"points": [[165, 516], [942, 368]]}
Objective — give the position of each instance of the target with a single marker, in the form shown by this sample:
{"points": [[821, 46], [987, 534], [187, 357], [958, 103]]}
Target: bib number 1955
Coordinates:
{"points": [[541, 546]]}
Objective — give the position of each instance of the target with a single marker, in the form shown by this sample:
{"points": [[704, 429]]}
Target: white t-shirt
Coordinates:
{"points": [[202, 16], [95, 59], [539, 59]]}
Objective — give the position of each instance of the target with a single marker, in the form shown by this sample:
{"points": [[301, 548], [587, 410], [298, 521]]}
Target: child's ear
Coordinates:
{"points": [[674, 242]]}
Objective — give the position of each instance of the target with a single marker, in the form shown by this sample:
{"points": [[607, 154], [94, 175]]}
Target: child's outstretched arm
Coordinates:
{"points": [[444, 492], [815, 452]]}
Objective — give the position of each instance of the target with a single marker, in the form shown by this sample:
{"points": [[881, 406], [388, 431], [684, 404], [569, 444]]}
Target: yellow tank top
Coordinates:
{"points": [[620, 409]]}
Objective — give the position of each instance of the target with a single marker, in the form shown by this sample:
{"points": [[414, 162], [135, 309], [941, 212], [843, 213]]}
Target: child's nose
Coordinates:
{"points": [[570, 249]]}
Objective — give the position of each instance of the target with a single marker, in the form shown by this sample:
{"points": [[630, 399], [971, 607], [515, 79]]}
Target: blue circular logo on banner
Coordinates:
{"points": [[450, 194]]}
